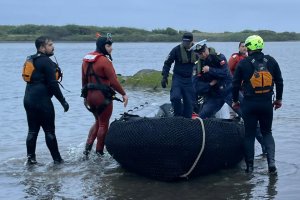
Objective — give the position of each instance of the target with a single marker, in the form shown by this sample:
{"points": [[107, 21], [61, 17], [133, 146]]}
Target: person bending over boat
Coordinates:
{"points": [[182, 87], [212, 80], [257, 75], [99, 81]]}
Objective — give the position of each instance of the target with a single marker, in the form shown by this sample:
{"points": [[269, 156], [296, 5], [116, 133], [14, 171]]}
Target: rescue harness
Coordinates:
{"points": [[107, 91]]}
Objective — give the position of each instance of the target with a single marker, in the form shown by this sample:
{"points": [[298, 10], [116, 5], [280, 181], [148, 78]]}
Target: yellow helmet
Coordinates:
{"points": [[254, 42]]}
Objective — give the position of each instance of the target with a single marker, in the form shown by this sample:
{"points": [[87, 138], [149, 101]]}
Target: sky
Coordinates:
{"points": [[206, 16]]}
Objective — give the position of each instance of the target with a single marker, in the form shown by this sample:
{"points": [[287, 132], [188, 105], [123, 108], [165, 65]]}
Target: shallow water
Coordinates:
{"points": [[103, 178]]}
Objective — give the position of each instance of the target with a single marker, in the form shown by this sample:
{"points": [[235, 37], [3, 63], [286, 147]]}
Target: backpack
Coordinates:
{"points": [[261, 80], [28, 69]]}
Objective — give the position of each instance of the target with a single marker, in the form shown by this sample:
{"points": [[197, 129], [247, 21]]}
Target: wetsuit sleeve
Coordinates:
{"points": [[232, 62], [52, 83], [168, 63], [236, 82], [110, 73], [221, 71], [278, 80]]}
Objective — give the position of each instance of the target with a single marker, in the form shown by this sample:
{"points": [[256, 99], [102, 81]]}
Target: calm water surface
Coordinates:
{"points": [[103, 178]]}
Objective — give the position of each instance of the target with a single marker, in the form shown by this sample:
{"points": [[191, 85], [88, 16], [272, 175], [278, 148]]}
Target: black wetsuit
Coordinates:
{"points": [[257, 107], [39, 107]]}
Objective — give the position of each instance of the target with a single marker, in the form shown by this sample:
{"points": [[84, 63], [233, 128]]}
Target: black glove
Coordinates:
{"points": [[164, 82], [65, 105]]}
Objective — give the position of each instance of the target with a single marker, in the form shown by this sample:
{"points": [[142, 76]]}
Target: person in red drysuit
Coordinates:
{"points": [[99, 82], [235, 58]]}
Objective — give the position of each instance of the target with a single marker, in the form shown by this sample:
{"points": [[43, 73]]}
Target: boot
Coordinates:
{"points": [[99, 153], [263, 149], [273, 170], [88, 148], [31, 160], [271, 160], [249, 168], [58, 161], [271, 166]]}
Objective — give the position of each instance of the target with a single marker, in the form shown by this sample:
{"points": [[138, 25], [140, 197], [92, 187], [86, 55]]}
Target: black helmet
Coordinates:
{"points": [[101, 42]]}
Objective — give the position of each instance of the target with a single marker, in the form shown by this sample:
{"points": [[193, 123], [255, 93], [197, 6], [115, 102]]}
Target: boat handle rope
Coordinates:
{"points": [[200, 153]]}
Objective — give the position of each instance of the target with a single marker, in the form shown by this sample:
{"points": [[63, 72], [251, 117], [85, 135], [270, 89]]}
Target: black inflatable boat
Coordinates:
{"points": [[170, 148]]}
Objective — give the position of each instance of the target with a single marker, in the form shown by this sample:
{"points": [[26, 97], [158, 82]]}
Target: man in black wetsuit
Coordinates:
{"points": [[37, 100], [257, 74]]}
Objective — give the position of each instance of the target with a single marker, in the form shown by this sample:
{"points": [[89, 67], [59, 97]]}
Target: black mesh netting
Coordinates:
{"points": [[166, 148]]}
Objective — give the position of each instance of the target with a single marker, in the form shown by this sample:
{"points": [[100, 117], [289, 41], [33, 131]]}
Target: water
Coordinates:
{"points": [[103, 178]]}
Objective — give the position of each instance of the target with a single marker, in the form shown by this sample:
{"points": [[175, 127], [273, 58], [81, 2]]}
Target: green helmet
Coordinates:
{"points": [[254, 42]]}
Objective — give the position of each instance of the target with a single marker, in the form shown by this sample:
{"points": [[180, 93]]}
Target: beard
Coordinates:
{"points": [[50, 53]]}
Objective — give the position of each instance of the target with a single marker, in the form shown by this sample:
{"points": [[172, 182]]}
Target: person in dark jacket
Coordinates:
{"points": [[257, 75], [37, 100], [182, 92], [234, 59], [212, 80]]}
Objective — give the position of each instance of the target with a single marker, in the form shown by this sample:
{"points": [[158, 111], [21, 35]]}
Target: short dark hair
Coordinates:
{"points": [[41, 41], [241, 42]]}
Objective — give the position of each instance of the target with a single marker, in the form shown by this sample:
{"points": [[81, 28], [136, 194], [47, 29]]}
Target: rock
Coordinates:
{"points": [[145, 78]]}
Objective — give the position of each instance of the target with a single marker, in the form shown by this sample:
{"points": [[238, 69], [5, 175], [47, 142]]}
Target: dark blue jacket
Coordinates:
{"points": [[244, 72], [184, 70], [218, 70]]}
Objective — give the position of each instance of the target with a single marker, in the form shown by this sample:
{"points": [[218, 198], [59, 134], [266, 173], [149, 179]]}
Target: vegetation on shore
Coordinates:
{"points": [[146, 79], [71, 32]]}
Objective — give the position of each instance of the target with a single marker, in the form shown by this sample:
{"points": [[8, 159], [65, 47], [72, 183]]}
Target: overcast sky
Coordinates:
{"points": [[208, 16]]}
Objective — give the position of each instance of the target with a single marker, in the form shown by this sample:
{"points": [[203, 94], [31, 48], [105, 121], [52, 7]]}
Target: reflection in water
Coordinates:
{"points": [[43, 186], [271, 189]]}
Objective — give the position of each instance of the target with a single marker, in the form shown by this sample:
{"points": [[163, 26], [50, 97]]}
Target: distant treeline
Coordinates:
{"points": [[125, 34]]}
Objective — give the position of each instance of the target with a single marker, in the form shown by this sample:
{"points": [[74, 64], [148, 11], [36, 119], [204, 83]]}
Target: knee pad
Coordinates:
{"points": [[32, 135], [50, 135]]}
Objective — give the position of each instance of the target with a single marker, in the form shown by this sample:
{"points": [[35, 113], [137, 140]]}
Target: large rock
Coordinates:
{"points": [[145, 78]]}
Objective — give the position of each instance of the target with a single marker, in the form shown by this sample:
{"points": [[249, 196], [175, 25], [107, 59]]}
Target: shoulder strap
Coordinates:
{"points": [[258, 66], [90, 72]]}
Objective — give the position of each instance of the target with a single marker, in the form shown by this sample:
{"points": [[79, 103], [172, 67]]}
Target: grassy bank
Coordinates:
{"points": [[145, 79], [126, 34]]}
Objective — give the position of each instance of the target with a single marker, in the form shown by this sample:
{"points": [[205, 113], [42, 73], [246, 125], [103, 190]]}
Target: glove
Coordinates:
{"points": [[236, 105], [164, 82], [277, 104], [65, 105]]}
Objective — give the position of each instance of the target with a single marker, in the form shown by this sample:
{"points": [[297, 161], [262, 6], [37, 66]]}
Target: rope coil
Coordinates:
{"points": [[200, 153]]}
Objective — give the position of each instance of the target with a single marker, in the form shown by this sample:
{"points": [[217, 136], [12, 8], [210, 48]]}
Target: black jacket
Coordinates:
{"points": [[184, 70], [218, 70], [245, 70], [44, 84]]}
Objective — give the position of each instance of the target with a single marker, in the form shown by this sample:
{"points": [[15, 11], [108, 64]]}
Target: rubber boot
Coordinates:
{"points": [[99, 153], [87, 150], [31, 160], [249, 168], [271, 165], [270, 149], [263, 149], [58, 161]]}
